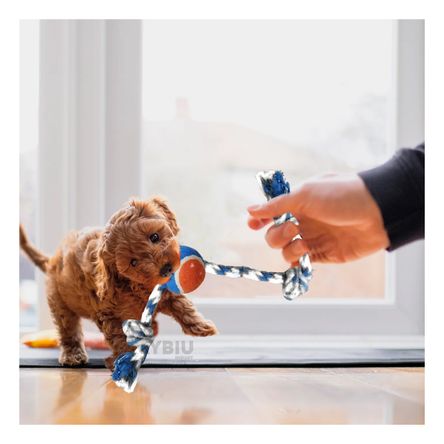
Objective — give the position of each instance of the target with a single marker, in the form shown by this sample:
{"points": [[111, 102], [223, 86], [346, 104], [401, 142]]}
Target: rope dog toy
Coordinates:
{"points": [[191, 274]]}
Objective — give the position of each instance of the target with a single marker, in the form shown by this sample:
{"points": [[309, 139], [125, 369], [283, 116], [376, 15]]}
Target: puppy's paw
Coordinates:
{"points": [[73, 357], [201, 328]]}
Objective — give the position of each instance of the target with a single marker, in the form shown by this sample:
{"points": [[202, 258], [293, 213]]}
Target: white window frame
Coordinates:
{"points": [[89, 127], [98, 75]]}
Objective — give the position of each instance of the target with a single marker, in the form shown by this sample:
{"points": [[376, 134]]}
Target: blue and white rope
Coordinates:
{"points": [[141, 335], [295, 280]]}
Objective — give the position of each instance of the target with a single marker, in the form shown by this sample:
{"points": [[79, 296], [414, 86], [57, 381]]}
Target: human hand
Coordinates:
{"points": [[338, 220]]}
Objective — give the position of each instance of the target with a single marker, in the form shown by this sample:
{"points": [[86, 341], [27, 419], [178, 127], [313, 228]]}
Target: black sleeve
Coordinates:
{"points": [[398, 188]]}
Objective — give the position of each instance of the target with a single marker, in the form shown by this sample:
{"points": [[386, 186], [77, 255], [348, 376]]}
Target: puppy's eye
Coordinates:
{"points": [[133, 262], [154, 238]]}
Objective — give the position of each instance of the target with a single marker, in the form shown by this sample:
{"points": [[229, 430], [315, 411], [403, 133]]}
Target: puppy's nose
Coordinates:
{"points": [[166, 270]]}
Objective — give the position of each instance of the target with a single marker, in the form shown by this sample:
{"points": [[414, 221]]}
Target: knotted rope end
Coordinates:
{"points": [[273, 183], [126, 368]]}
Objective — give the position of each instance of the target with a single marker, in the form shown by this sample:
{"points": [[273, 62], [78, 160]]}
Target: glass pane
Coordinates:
{"points": [[225, 99], [29, 78]]}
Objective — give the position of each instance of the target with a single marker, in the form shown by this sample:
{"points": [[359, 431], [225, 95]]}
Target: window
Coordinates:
{"points": [[29, 77], [215, 102], [225, 99]]}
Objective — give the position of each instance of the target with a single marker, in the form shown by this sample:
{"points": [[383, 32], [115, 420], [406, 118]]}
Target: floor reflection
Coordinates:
{"points": [[111, 406], [225, 396]]}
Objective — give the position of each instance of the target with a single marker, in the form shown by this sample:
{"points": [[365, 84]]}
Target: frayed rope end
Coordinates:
{"points": [[126, 367]]}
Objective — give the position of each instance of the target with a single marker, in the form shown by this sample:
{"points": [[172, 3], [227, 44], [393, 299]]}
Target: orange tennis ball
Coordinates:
{"points": [[190, 274]]}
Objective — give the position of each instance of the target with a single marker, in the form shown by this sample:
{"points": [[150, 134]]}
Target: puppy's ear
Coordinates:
{"points": [[138, 207], [168, 214], [122, 215], [151, 208]]}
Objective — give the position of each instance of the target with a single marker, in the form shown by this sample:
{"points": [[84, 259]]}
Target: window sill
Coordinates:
{"points": [[261, 351]]}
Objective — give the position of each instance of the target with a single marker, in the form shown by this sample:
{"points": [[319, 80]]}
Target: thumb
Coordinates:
{"points": [[287, 203]]}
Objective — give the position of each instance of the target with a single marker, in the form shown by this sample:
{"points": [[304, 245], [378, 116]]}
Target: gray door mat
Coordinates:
{"points": [[245, 357]]}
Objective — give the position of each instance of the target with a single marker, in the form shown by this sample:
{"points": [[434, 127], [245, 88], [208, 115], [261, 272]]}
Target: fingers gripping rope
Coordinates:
{"points": [[295, 280], [191, 274]]}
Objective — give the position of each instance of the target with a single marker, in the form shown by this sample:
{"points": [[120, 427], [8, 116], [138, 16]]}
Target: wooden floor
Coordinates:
{"points": [[225, 396]]}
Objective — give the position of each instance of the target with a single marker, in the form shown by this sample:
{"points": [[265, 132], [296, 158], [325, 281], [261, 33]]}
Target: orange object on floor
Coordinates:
{"points": [[49, 339]]}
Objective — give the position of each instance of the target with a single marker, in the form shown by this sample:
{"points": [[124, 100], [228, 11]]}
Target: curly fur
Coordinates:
{"points": [[92, 276]]}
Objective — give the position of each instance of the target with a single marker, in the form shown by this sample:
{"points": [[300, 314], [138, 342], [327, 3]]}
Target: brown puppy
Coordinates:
{"points": [[106, 275]]}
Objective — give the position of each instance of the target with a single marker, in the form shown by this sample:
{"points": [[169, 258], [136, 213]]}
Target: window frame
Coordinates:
{"points": [[91, 80], [89, 127]]}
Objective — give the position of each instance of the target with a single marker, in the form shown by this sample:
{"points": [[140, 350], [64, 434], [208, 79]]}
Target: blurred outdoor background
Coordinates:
{"points": [[223, 100]]}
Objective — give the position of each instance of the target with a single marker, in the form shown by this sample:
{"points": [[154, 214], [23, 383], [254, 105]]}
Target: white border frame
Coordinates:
{"points": [[109, 92]]}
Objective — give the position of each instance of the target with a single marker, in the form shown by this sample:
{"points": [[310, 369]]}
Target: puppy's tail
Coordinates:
{"points": [[35, 255]]}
